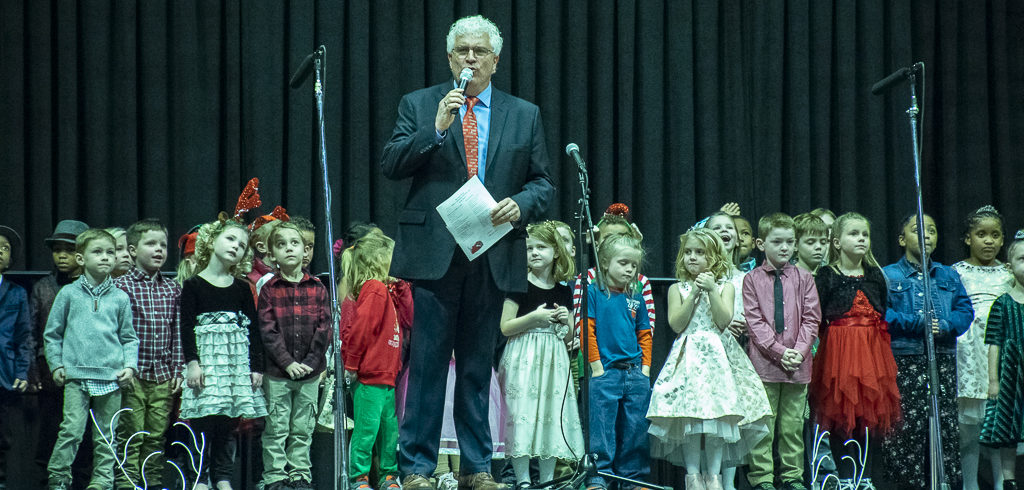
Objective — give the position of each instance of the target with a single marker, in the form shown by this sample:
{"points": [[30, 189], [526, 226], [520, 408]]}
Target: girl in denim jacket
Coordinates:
{"points": [[906, 453]]}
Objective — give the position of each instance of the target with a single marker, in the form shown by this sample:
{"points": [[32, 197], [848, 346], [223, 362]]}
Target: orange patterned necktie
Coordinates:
{"points": [[469, 137]]}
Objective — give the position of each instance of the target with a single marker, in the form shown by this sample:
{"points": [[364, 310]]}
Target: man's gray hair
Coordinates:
{"points": [[473, 25]]}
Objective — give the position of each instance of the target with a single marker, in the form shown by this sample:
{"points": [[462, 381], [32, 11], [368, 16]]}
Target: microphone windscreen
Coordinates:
{"points": [[571, 147]]}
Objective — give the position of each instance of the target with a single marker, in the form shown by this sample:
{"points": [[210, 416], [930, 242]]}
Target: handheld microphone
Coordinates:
{"points": [[304, 69], [896, 77], [465, 76], [573, 150]]}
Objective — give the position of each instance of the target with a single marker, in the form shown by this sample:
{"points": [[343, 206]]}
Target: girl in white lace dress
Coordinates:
{"points": [[985, 278], [708, 402], [534, 370]]}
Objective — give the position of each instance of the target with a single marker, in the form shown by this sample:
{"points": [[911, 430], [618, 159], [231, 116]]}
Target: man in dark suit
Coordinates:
{"points": [[458, 302]]}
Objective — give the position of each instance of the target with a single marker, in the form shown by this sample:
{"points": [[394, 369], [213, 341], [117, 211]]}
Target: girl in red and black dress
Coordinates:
{"points": [[853, 387]]}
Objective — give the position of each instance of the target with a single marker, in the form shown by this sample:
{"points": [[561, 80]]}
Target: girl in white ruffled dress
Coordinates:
{"points": [[534, 370], [708, 402], [222, 346]]}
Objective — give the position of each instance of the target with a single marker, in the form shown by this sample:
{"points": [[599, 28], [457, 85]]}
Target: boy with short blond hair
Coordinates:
{"points": [[156, 320], [295, 325], [812, 251], [308, 231], [93, 351], [780, 302], [811, 242]]}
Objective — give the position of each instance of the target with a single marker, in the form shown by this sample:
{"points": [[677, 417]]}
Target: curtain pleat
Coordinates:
{"points": [[113, 111]]}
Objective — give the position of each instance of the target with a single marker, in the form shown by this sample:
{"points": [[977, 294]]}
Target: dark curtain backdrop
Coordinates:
{"points": [[113, 111]]}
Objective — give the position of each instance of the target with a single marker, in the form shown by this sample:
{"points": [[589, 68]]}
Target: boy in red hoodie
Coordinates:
{"points": [[371, 350]]}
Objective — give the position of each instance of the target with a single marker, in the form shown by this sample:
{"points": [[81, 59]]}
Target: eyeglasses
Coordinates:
{"points": [[480, 52]]}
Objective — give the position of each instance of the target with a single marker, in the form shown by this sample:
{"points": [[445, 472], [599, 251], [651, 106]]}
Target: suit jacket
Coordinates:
{"points": [[517, 167], [16, 346]]}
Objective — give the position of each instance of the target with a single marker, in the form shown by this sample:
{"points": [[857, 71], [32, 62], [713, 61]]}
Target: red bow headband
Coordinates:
{"points": [[278, 213]]}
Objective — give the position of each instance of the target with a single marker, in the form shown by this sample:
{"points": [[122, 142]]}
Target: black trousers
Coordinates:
{"points": [[219, 457], [17, 443]]}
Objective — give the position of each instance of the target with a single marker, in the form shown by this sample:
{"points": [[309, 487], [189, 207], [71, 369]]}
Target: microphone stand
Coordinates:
{"points": [[938, 477], [587, 467], [340, 444]]}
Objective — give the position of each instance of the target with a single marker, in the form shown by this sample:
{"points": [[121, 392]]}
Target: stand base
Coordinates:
{"points": [[586, 469]]}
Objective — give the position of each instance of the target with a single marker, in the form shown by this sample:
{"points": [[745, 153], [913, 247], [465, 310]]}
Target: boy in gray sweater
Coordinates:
{"points": [[92, 351]]}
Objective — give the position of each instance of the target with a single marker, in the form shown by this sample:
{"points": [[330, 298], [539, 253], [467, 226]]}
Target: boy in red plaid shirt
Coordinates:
{"points": [[295, 324], [155, 316]]}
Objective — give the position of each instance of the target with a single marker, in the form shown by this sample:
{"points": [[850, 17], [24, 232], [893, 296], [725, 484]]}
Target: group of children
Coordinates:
{"points": [[120, 341], [818, 335], [834, 342]]}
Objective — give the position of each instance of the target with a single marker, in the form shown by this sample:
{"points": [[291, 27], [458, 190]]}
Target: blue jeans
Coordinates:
{"points": [[618, 423]]}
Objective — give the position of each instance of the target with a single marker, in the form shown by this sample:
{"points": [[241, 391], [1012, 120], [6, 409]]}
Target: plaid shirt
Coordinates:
{"points": [[295, 323], [97, 387], [157, 321]]}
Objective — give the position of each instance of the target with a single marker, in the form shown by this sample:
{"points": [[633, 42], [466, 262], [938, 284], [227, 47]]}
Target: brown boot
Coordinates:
{"points": [[478, 481], [416, 482]]}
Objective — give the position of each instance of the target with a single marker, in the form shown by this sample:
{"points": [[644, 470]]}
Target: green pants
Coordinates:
{"points": [[150, 404], [786, 427], [76, 415], [291, 416], [373, 409]]}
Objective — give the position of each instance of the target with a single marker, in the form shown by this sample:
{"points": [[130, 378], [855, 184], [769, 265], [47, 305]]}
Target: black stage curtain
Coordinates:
{"points": [[114, 111]]}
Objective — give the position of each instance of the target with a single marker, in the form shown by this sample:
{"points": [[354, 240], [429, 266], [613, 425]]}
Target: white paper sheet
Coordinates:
{"points": [[467, 214]]}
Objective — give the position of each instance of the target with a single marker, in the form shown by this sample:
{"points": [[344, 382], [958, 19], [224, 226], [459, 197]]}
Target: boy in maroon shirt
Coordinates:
{"points": [[156, 319], [780, 302], [295, 325]]}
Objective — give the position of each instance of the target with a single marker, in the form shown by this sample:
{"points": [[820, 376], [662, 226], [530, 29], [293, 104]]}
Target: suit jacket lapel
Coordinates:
{"points": [[499, 111]]}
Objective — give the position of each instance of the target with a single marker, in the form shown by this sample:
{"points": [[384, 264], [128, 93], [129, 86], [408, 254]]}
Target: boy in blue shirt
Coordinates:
{"points": [[16, 338], [619, 353]]}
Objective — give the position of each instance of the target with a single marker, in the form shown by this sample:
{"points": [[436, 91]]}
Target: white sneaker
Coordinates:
{"points": [[447, 481], [849, 484]]}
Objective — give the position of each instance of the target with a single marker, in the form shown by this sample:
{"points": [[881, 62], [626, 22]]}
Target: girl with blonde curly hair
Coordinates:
{"points": [[708, 402], [221, 341]]}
